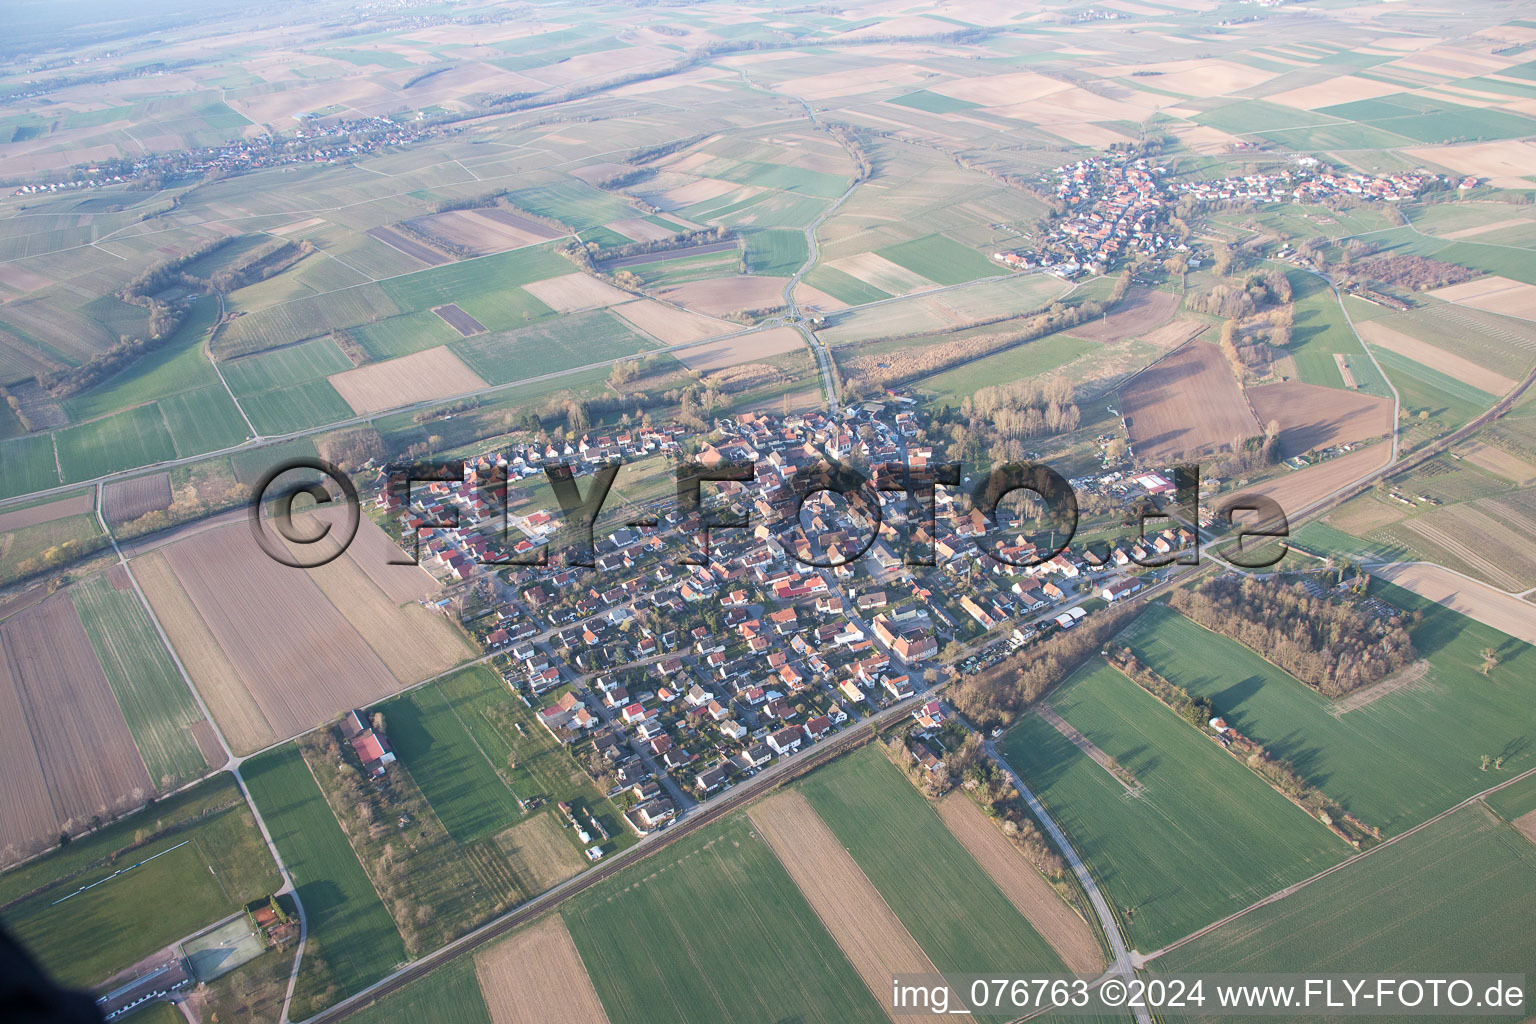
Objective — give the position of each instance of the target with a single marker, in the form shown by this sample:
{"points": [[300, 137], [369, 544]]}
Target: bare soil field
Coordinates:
{"points": [[123, 501], [27, 818], [459, 320], [745, 349], [1138, 313], [1034, 897], [1297, 490], [1343, 89], [1202, 138], [1201, 79], [1187, 401], [420, 377], [721, 295], [539, 853], [1504, 164], [1435, 357], [815, 300], [295, 654], [642, 230], [47, 512], [373, 551], [853, 911], [1174, 333], [298, 225], [696, 191], [536, 977], [239, 717], [71, 736], [1500, 463], [1000, 90], [854, 81], [672, 326], [571, 292], [1088, 134], [1508, 222], [1495, 294], [1311, 416], [1470, 597], [882, 273], [484, 231], [412, 248]]}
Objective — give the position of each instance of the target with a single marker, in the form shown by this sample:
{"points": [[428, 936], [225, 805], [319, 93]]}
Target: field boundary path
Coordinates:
{"points": [[1086, 745], [1123, 961]]}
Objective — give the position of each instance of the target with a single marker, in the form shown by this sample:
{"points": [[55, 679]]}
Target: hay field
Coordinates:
{"points": [[1025, 888], [1472, 598], [853, 911], [672, 326], [1187, 401], [1435, 357], [573, 292], [1140, 311], [747, 348], [536, 977], [292, 653], [1312, 416], [433, 373], [67, 754], [1495, 294]]}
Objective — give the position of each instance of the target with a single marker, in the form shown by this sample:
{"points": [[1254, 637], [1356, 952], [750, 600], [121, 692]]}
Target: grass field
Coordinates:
{"points": [[713, 931], [573, 340], [29, 465], [778, 252], [352, 941], [1320, 331], [448, 995], [158, 707], [1021, 362], [940, 259], [957, 915], [844, 287], [178, 365], [1459, 895], [933, 102], [126, 440], [1399, 759], [454, 774], [86, 937], [27, 543], [403, 335], [299, 407], [204, 420], [285, 367], [1203, 836], [573, 203], [1515, 801]]}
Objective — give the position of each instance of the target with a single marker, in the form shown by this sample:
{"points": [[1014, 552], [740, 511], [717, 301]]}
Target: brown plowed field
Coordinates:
{"points": [[49, 511], [1057, 923], [720, 295], [126, 500], [459, 320], [373, 552], [484, 231], [297, 656], [1312, 416], [412, 248], [419, 377], [1297, 490], [1475, 600], [1139, 312], [1435, 357], [853, 911], [79, 744], [571, 292], [672, 326], [746, 349], [536, 977], [1187, 401], [244, 726]]}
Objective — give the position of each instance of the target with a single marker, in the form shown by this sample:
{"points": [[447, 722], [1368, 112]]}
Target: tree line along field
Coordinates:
{"points": [[223, 865], [1392, 761], [352, 942], [1199, 837], [958, 915], [1457, 896], [712, 930]]}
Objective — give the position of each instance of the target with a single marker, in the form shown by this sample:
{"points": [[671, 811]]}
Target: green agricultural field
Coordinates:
{"points": [[1397, 760], [573, 203], [712, 931], [477, 283], [1022, 362], [666, 273], [1422, 387], [449, 994], [296, 364], [248, 466], [352, 940], [84, 938], [176, 366], [1203, 837], [787, 179], [574, 340], [126, 440], [455, 775], [296, 408], [778, 252], [1337, 136], [204, 420], [1246, 116], [940, 259], [156, 702], [1458, 896], [311, 317], [1320, 331], [844, 287], [403, 335], [1515, 801], [1518, 264], [29, 465], [957, 914], [933, 102]]}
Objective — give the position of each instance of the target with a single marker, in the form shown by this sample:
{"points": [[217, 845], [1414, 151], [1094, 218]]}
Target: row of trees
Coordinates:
{"points": [[1332, 646]]}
